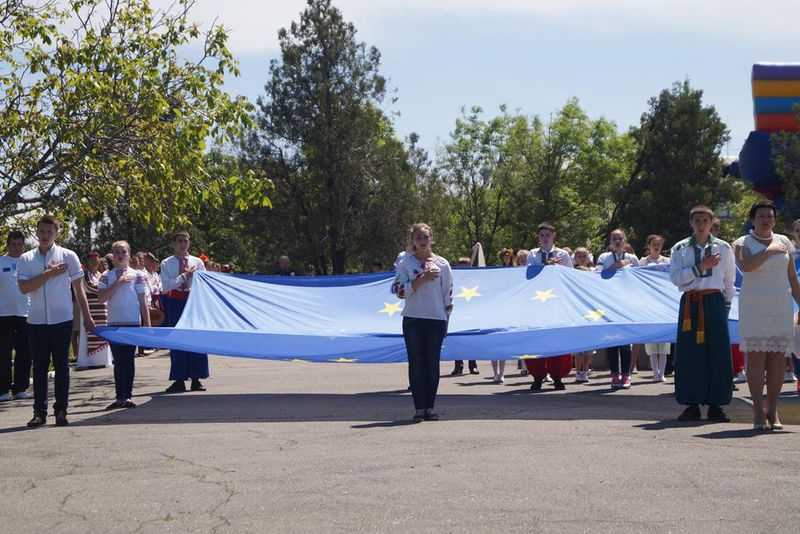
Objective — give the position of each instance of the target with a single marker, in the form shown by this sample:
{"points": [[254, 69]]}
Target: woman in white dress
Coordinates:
{"points": [[766, 329]]}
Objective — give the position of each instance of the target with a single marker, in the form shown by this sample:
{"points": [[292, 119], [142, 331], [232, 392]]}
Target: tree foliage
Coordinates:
{"points": [[97, 108], [678, 165], [506, 175], [342, 177]]}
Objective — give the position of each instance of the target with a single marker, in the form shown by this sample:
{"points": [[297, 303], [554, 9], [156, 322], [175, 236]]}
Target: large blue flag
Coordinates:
{"points": [[500, 313]]}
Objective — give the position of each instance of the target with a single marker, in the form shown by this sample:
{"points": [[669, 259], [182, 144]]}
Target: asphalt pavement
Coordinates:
{"points": [[301, 447]]}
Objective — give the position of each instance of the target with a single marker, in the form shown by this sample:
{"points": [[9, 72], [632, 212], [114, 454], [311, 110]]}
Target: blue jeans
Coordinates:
{"points": [[423, 339], [47, 340]]}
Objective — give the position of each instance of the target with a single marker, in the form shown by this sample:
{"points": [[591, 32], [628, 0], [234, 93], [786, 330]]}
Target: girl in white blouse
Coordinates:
{"points": [[425, 281]]}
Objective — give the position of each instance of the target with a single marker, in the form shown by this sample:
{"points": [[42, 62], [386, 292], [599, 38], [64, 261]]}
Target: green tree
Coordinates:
{"points": [[677, 166], [786, 151], [97, 107], [565, 172], [340, 173], [473, 170]]}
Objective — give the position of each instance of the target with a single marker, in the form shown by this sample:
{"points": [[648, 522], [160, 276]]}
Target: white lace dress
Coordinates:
{"points": [[765, 302]]}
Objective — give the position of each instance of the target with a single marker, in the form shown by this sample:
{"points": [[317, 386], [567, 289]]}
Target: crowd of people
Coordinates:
{"points": [[47, 294], [704, 269]]}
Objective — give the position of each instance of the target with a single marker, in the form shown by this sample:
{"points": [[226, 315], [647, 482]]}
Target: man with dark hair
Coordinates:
{"points": [[176, 281], [703, 267], [548, 254], [13, 323], [47, 273]]}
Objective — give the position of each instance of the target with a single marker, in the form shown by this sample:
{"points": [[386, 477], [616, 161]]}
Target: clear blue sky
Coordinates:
{"points": [[533, 55]]}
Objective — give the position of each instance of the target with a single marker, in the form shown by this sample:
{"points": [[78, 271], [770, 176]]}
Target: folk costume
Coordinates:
{"points": [[556, 366], [703, 365], [175, 286]]}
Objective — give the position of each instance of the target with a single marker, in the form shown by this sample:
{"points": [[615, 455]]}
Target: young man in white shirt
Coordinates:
{"points": [[13, 324], [47, 273], [176, 281], [548, 254], [703, 267]]}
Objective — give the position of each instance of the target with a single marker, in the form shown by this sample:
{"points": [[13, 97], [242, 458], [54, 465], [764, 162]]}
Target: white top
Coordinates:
{"points": [[538, 256], [765, 302], [170, 273], [123, 306], [12, 301], [432, 300], [647, 260], [153, 281], [51, 303], [607, 259], [684, 273]]}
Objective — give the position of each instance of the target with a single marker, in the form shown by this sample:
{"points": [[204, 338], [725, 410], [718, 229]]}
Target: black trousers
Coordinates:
{"points": [[14, 336], [47, 340], [473, 364], [124, 370], [619, 359], [423, 339]]}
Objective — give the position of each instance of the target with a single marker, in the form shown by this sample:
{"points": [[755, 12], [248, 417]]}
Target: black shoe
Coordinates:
{"points": [[558, 384], [61, 419], [430, 416], [717, 415], [474, 371], [458, 371], [537, 385], [39, 418], [116, 404], [419, 415], [197, 386], [691, 413], [129, 404], [176, 387]]}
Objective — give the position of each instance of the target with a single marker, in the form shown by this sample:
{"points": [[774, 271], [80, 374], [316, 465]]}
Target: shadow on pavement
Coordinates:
{"points": [[391, 408]]}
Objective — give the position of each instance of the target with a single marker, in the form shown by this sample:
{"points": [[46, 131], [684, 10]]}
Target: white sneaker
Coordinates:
{"points": [[547, 378], [789, 377], [5, 397], [23, 395], [501, 379], [741, 377]]}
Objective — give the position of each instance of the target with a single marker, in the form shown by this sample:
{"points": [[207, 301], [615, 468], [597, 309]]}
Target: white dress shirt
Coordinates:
{"points": [[52, 302], [539, 256], [171, 273], [607, 259]]}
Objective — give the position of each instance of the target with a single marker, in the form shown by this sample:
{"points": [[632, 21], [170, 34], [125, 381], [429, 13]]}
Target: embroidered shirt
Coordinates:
{"points": [[431, 300], [684, 272]]}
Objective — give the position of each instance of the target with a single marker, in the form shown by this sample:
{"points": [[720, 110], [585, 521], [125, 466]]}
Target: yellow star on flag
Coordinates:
{"points": [[297, 360], [344, 360], [391, 309], [469, 292], [594, 315], [529, 356], [544, 296]]}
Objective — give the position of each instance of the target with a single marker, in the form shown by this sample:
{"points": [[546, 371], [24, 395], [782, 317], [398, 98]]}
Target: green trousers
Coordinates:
{"points": [[704, 371]]}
